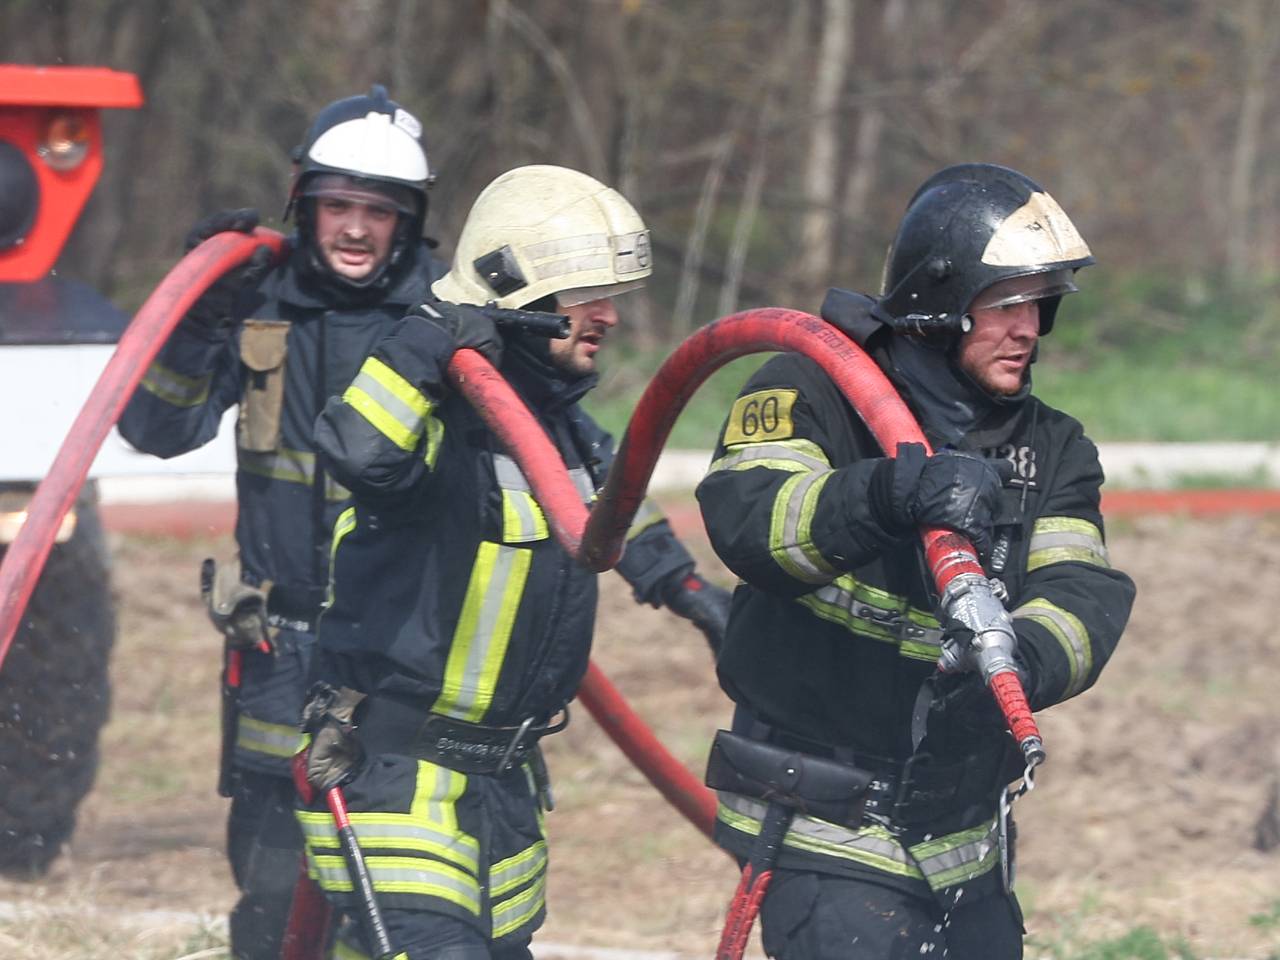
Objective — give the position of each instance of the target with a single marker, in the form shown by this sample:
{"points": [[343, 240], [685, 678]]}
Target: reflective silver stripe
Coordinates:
{"points": [[552, 248], [870, 612], [1070, 632], [871, 845], [509, 476], [396, 832], [958, 857], [291, 466], [413, 875], [174, 388], [509, 915], [506, 875], [394, 406], [790, 534], [1063, 540], [793, 456], [273, 739], [483, 630], [522, 519]]}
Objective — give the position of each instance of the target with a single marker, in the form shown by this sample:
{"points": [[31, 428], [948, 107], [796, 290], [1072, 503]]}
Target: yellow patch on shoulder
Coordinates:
{"points": [[759, 416]]}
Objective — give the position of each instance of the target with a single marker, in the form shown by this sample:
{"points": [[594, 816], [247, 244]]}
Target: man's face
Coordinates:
{"points": [[354, 237], [588, 324], [997, 351]]}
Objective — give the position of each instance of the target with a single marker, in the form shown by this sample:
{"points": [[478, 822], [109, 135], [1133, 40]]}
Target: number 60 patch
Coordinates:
{"points": [[764, 415]]}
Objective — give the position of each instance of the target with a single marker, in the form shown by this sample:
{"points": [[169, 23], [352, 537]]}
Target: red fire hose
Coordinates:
{"points": [[141, 341], [595, 539]]}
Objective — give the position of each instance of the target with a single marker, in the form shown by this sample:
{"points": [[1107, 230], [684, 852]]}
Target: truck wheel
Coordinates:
{"points": [[55, 697]]}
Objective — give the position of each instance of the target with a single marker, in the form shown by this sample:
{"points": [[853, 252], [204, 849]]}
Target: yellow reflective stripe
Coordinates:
{"points": [[506, 875], [510, 915], [790, 534], [1069, 631], [958, 857], [871, 845], [429, 827], [291, 466], [273, 739], [174, 388], [435, 439], [648, 514], [792, 456], [345, 523], [868, 611], [390, 874], [522, 519], [389, 402], [483, 631], [1065, 540]]}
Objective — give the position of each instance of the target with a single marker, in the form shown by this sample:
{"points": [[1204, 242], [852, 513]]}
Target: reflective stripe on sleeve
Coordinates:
{"points": [[648, 514], [174, 388], [871, 612], [484, 628], [522, 519], [272, 739], [1063, 540], [389, 402], [792, 456], [790, 533], [1069, 631]]}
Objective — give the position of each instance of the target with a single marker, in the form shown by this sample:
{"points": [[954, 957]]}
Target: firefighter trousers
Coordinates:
{"points": [[814, 916]]}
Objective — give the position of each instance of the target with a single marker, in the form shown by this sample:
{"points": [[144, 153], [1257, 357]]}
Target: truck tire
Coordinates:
{"points": [[55, 698]]}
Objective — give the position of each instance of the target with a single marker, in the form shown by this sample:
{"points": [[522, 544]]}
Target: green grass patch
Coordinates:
{"points": [[1140, 943]]}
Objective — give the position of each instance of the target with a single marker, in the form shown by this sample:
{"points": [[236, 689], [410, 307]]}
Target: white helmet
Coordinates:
{"points": [[542, 230]]}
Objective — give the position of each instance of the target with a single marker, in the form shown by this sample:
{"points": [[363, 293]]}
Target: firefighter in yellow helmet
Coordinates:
{"points": [[458, 629]]}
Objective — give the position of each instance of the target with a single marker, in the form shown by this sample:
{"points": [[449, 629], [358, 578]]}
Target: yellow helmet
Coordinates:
{"points": [[542, 230]]}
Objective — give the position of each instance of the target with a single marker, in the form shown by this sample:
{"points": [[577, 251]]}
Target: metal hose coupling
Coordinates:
{"points": [[973, 601]]}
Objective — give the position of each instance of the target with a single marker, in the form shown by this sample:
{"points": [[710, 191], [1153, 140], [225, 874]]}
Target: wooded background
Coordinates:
{"points": [[771, 146]]}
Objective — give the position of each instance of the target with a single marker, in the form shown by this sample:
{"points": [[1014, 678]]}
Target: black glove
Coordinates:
{"points": [[336, 753], [215, 308], [704, 604], [959, 491], [468, 327]]}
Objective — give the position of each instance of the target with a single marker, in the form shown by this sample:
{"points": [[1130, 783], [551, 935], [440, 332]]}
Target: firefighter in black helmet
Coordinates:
{"points": [[832, 646], [277, 341]]}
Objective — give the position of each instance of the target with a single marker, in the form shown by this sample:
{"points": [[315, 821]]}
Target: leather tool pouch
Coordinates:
{"points": [[816, 786], [263, 344]]}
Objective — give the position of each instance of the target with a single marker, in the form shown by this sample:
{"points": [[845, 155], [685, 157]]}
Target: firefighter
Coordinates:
{"points": [[459, 630], [277, 341], [833, 639]]}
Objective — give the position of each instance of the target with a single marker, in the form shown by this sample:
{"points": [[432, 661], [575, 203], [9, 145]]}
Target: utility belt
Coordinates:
{"points": [[386, 725], [846, 788]]}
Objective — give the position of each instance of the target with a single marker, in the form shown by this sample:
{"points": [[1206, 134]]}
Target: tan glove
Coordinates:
{"points": [[336, 753], [238, 610]]}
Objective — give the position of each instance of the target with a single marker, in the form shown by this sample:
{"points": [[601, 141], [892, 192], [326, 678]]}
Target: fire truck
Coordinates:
{"points": [[56, 335]]}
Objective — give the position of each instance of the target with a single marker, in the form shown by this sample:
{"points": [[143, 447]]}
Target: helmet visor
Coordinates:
{"points": [[339, 186], [1036, 286], [571, 298]]}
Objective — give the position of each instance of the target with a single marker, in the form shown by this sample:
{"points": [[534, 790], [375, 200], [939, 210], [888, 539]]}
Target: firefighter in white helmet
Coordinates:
{"points": [[458, 629], [276, 340]]}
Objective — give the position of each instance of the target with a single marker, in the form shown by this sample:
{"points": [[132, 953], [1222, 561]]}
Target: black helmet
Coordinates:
{"points": [[370, 143], [969, 228]]}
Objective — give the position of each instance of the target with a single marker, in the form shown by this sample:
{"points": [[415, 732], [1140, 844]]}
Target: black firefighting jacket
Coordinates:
{"points": [[836, 627], [300, 342], [449, 592]]}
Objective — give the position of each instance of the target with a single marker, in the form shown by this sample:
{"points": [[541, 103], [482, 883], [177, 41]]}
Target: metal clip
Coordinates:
{"points": [[514, 745]]}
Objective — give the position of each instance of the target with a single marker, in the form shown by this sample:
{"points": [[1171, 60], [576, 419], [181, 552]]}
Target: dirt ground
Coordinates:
{"points": [[1144, 816]]}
